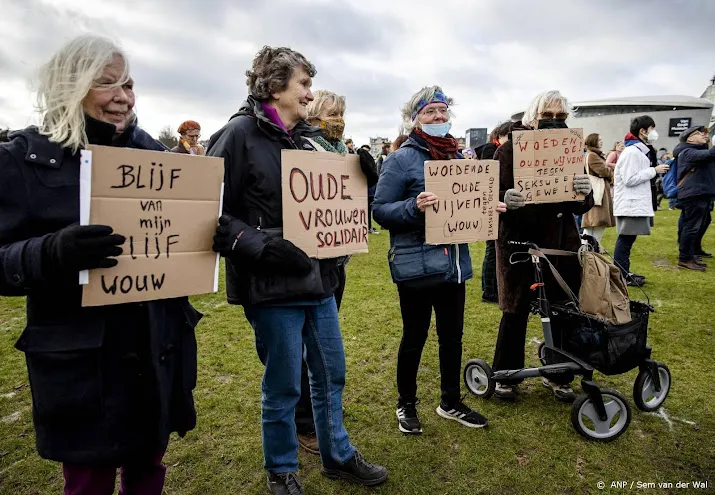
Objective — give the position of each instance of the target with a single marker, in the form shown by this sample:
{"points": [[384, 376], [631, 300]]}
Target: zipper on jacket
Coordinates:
{"points": [[459, 268]]}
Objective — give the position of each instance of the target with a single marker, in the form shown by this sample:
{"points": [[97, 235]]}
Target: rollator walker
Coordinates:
{"points": [[580, 343]]}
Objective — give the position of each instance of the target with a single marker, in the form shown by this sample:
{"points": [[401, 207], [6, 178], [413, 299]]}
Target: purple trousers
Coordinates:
{"points": [[142, 478]]}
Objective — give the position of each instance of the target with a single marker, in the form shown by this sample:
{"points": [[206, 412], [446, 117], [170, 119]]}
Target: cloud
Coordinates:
{"points": [[189, 58]]}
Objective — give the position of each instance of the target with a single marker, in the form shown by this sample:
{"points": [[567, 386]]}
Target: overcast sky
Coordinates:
{"points": [[188, 57]]}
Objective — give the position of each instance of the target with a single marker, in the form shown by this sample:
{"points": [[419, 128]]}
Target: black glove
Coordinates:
{"points": [[81, 247], [227, 235], [368, 166], [282, 256]]}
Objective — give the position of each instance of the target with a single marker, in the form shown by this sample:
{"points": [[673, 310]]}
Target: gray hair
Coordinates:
{"points": [[542, 101], [65, 80], [272, 69], [425, 94], [325, 102]]}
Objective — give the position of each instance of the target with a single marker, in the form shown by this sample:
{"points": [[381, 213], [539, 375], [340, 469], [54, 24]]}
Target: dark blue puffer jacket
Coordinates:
{"points": [[402, 179], [696, 164]]}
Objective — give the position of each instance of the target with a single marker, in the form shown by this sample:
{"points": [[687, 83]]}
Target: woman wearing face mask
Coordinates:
{"points": [[548, 225], [109, 384], [400, 203], [190, 133], [326, 111], [633, 198]]}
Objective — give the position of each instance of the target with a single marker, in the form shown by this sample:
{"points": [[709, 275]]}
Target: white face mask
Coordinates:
{"points": [[652, 136]]}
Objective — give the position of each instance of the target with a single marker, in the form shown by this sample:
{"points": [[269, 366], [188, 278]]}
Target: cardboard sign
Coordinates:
{"points": [[167, 206], [324, 203], [468, 192], [545, 162]]}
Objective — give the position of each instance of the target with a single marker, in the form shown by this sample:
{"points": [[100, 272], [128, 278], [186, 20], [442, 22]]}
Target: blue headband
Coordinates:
{"points": [[437, 98]]}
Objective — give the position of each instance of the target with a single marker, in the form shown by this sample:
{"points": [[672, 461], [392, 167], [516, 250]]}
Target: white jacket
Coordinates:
{"points": [[631, 192]]}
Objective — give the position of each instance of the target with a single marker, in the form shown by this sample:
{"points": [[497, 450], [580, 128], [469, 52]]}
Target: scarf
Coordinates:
{"points": [[630, 140], [332, 147], [440, 148]]}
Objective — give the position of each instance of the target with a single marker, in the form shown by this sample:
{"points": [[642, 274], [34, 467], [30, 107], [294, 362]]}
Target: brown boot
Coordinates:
{"points": [[309, 443], [691, 265]]}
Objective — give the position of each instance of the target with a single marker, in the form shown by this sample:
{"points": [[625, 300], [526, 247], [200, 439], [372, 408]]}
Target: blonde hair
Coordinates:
{"points": [[325, 102], [542, 101], [65, 80], [426, 94]]}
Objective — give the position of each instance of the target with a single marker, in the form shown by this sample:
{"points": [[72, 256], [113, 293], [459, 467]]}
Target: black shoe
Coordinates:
{"points": [[703, 254], [634, 280], [490, 298], [357, 470], [407, 419], [284, 484], [462, 414], [699, 261]]}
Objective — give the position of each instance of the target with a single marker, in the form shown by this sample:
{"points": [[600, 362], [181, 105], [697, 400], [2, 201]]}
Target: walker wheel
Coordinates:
{"points": [[478, 378], [645, 396], [586, 422]]}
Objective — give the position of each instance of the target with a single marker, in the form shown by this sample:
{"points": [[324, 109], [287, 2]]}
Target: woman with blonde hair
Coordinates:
{"points": [[109, 384]]}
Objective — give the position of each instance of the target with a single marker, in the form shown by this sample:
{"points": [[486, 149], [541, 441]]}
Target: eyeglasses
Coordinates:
{"points": [[551, 115], [431, 112], [193, 135]]}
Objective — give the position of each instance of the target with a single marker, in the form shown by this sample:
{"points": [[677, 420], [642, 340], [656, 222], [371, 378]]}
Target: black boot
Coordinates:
{"points": [[357, 470], [284, 484]]}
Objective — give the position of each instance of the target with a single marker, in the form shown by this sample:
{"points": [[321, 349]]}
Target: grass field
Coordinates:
{"points": [[528, 448]]}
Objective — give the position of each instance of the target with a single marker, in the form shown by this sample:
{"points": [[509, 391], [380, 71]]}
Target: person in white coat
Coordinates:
{"points": [[632, 202]]}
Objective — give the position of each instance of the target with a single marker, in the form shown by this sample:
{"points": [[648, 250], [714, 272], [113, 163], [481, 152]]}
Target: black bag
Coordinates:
{"points": [[265, 287], [611, 349]]}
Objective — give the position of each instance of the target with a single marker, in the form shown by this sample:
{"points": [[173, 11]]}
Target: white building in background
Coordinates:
{"points": [[376, 145], [611, 118]]}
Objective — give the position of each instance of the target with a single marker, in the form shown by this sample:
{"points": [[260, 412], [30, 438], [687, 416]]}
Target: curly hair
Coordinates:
{"points": [[272, 69], [187, 126]]}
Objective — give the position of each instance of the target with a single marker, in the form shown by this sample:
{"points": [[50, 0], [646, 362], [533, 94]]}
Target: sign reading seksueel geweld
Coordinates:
{"points": [[167, 206], [545, 162], [468, 192], [324, 203]]}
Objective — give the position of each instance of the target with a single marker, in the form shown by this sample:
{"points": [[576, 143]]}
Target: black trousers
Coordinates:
{"points": [[489, 270], [304, 422], [511, 343], [416, 306], [694, 222]]}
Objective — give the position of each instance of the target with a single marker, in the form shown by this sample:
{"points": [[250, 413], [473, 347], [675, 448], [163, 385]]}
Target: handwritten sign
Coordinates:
{"points": [[324, 203], [545, 162], [167, 206], [468, 193]]}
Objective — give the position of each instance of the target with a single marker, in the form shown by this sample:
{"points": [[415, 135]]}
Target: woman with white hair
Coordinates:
{"points": [[427, 276], [109, 384], [548, 225]]}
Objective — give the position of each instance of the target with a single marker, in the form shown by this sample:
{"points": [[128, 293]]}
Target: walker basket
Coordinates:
{"points": [[611, 349]]}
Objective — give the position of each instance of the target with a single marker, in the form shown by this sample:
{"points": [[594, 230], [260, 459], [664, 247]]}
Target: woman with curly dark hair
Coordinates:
{"points": [[288, 298]]}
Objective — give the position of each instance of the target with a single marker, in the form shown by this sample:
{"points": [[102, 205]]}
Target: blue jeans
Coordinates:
{"points": [[282, 332]]}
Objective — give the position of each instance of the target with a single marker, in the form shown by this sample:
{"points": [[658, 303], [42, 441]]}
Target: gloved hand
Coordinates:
{"points": [[582, 184], [514, 199], [81, 247], [284, 257], [368, 166], [227, 235]]}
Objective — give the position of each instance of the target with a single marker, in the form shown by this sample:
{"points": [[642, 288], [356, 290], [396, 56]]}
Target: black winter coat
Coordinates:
{"points": [[696, 170], [548, 225], [251, 145], [109, 384]]}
